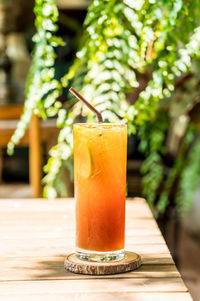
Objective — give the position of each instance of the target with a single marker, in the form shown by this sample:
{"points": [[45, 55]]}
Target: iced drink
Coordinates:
{"points": [[100, 155]]}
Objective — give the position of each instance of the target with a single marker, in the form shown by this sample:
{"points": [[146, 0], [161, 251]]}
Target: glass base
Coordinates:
{"points": [[99, 256]]}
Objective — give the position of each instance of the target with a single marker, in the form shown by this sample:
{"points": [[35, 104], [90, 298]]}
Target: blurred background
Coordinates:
{"points": [[163, 155]]}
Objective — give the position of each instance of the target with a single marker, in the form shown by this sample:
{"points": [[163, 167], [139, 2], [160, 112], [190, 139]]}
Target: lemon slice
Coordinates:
{"points": [[84, 159]]}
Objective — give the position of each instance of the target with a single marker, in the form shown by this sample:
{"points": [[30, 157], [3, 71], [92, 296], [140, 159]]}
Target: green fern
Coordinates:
{"points": [[42, 90], [117, 37], [120, 37], [152, 138], [189, 178]]}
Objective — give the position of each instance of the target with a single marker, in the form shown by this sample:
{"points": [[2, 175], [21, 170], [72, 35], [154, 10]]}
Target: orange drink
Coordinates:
{"points": [[100, 155]]}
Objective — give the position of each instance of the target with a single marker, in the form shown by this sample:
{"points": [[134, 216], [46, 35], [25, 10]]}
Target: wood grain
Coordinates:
{"points": [[128, 296], [130, 262], [44, 270], [37, 234], [97, 285]]}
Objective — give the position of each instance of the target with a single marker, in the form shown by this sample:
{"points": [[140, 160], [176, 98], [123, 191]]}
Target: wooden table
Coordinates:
{"points": [[36, 235]]}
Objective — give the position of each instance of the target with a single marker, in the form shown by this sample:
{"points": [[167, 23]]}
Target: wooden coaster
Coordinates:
{"points": [[130, 262]]}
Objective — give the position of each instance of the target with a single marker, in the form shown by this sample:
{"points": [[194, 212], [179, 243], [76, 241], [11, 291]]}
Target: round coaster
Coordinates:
{"points": [[130, 262]]}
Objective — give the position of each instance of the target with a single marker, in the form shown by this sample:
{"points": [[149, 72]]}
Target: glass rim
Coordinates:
{"points": [[92, 125]]}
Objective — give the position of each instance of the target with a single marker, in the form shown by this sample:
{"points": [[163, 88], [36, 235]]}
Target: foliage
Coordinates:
{"points": [[42, 90], [152, 137], [189, 178], [178, 180], [159, 179], [121, 39]]}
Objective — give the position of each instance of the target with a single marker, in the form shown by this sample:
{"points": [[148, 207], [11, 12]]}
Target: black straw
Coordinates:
{"points": [[80, 97]]}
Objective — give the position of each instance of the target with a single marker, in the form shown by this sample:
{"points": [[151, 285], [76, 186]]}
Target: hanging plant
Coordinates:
{"points": [[42, 90], [120, 40]]}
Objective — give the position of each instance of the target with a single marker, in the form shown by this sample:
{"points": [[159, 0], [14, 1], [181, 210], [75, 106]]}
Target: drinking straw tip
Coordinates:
{"points": [[80, 97]]}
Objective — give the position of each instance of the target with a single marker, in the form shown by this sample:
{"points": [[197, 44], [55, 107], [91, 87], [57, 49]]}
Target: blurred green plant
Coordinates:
{"points": [[121, 39], [42, 90], [173, 181]]}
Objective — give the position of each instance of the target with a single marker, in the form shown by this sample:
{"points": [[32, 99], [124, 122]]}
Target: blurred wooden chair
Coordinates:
{"points": [[37, 133]]}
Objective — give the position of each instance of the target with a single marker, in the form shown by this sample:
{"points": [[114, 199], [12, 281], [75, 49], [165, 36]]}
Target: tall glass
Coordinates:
{"points": [[100, 155]]}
